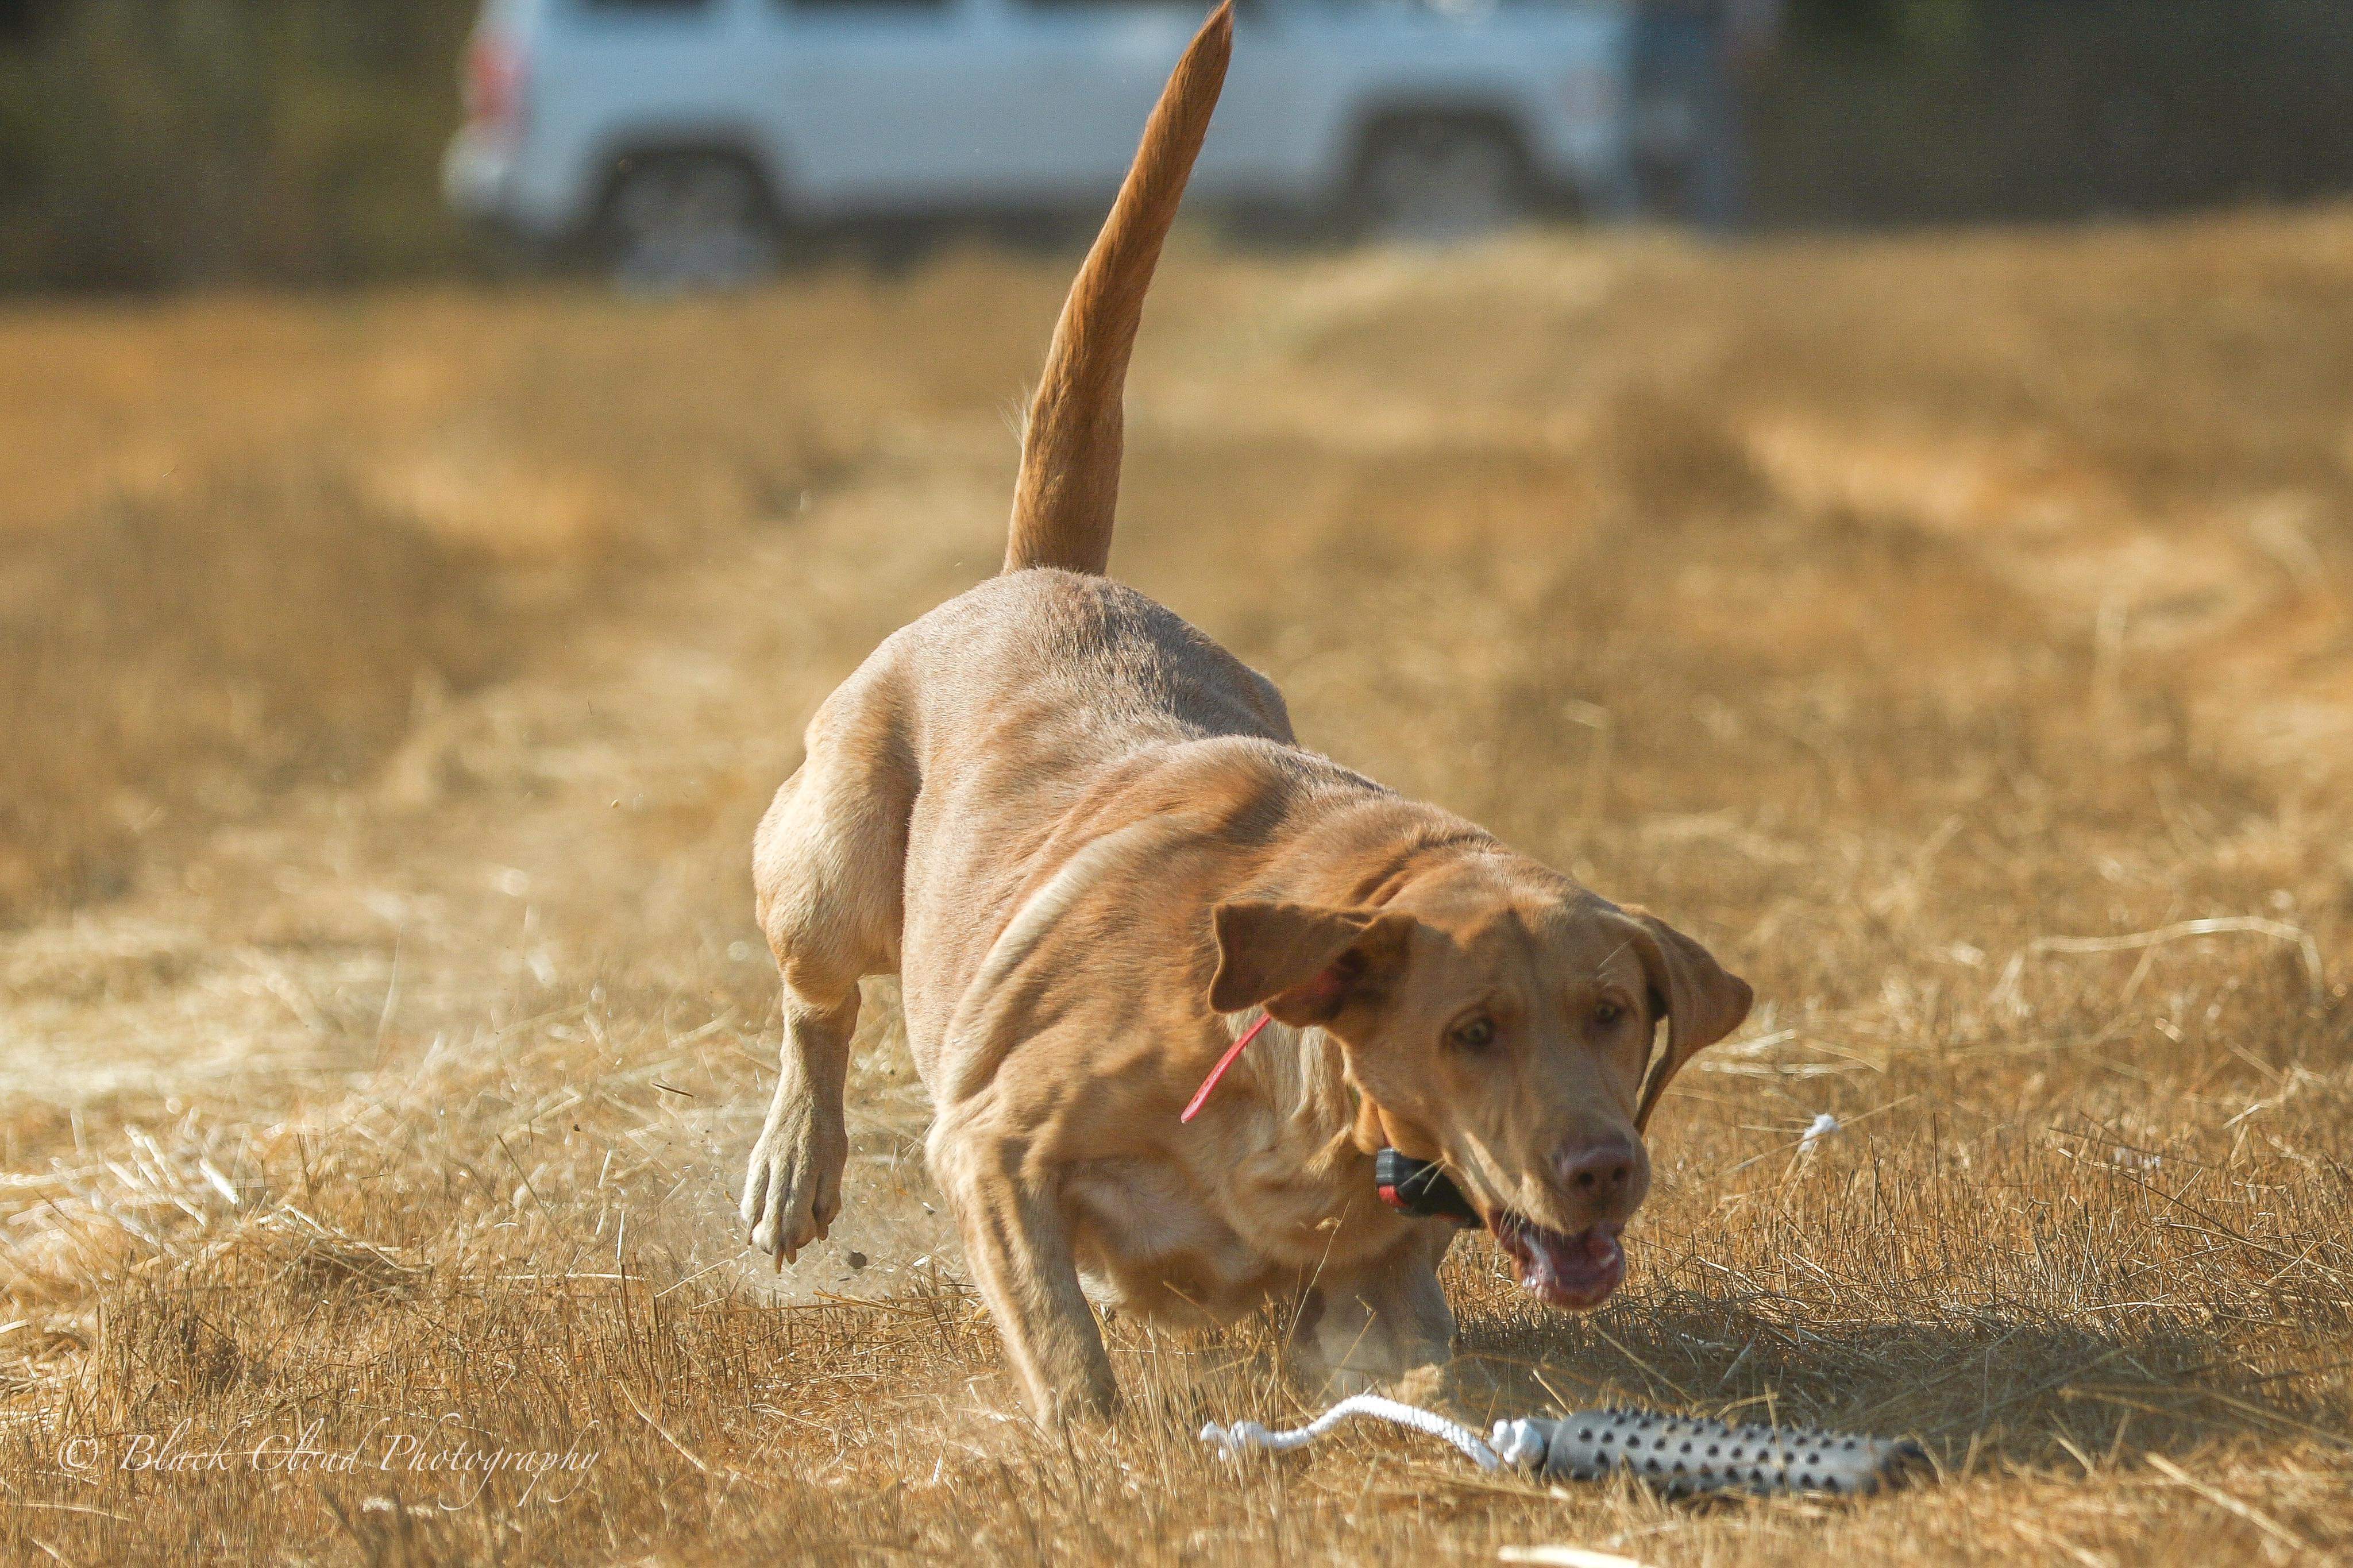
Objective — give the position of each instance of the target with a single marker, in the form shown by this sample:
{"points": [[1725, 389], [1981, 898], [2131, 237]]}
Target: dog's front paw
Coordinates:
{"points": [[1433, 1386], [792, 1189]]}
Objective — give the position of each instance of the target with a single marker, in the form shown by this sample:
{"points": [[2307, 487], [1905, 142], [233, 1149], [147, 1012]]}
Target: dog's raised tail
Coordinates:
{"points": [[1068, 487]]}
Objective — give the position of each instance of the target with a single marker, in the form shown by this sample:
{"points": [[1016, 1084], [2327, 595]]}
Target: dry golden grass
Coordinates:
{"points": [[1943, 628]]}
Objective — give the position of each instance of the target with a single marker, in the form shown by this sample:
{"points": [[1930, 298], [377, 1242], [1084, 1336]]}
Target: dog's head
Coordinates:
{"points": [[1498, 1018]]}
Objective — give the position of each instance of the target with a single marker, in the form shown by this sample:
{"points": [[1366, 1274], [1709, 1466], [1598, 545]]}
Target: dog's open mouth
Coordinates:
{"points": [[1574, 1271]]}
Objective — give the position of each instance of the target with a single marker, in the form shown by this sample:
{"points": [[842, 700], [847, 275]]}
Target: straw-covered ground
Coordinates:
{"points": [[1954, 632]]}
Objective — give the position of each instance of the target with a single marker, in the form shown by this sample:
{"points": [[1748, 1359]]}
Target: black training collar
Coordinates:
{"points": [[1421, 1188]]}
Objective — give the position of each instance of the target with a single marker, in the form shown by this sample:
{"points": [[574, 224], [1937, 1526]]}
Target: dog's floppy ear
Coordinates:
{"points": [[1304, 964], [1701, 1001]]}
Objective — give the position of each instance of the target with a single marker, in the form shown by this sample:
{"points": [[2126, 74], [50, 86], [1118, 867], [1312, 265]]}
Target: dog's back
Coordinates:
{"points": [[949, 781], [1025, 696], [1017, 699]]}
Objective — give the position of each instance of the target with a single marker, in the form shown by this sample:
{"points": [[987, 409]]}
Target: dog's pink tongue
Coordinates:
{"points": [[1578, 1270]]}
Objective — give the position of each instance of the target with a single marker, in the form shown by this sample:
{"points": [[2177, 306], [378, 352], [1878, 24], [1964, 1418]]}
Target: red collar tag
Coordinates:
{"points": [[1201, 1095]]}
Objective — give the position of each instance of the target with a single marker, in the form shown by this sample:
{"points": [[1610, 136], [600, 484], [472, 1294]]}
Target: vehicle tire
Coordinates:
{"points": [[1435, 179], [682, 221]]}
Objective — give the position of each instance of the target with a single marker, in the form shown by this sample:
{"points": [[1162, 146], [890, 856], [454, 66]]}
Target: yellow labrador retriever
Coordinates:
{"points": [[1083, 836]]}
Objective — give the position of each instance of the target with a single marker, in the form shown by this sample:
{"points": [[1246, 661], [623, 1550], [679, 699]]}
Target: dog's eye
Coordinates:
{"points": [[1476, 1035], [1607, 1013]]}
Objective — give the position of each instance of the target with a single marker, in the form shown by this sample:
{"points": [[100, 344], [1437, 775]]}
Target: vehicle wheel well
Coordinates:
{"points": [[629, 157], [1402, 119], [1427, 137]]}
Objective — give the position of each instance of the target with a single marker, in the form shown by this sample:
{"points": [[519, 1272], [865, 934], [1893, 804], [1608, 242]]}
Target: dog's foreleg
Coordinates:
{"points": [[1017, 1243]]}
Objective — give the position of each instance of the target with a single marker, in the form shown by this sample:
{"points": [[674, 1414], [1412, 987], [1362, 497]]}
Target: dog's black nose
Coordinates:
{"points": [[1600, 1172]]}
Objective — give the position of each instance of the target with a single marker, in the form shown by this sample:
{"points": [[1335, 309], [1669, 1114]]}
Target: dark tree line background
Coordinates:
{"points": [[1939, 111], [149, 143], [157, 143]]}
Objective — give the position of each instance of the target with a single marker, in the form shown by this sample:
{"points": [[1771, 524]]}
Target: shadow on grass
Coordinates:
{"points": [[2032, 1391]]}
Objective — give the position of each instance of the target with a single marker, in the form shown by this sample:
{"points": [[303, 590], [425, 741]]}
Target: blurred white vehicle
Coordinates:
{"points": [[686, 134]]}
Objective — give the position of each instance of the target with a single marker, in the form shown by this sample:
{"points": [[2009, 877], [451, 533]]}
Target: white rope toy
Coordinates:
{"points": [[1515, 1444]]}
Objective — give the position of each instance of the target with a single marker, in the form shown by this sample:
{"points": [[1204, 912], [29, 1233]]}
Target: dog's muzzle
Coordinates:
{"points": [[1578, 1271]]}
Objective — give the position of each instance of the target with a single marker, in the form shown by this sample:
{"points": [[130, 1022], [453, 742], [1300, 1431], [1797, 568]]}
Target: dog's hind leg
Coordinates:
{"points": [[828, 867]]}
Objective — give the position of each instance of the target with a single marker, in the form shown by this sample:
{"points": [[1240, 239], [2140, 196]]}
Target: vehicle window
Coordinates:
{"points": [[863, 6], [646, 7]]}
